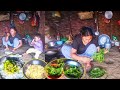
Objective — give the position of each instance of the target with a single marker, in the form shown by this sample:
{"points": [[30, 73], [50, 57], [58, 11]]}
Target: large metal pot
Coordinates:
{"points": [[52, 44], [33, 62], [50, 52], [70, 62]]}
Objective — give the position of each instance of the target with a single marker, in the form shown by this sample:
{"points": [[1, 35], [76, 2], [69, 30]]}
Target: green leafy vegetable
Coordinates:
{"points": [[96, 72], [99, 56], [54, 71], [73, 72], [55, 68], [10, 67]]}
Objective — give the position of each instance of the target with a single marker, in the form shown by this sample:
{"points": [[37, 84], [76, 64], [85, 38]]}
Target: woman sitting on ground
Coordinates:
{"points": [[83, 47], [12, 39]]}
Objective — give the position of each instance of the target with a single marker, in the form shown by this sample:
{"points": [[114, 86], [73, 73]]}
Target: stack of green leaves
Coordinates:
{"points": [[97, 72], [99, 56]]}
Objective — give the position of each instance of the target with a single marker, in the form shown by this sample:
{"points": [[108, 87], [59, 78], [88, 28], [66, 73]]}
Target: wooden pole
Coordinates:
{"points": [[42, 25]]}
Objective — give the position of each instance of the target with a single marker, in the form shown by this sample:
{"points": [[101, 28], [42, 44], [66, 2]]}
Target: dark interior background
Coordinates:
{"points": [[68, 18], [26, 27]]}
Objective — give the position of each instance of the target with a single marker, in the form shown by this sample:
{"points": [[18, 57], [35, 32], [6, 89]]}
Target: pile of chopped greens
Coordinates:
{"points": [[73, 72], [55, 68], [10, 67], [99, 56], [97, 72]]}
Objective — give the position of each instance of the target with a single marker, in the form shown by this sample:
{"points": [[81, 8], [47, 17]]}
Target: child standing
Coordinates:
{"points": [[38, 46]]}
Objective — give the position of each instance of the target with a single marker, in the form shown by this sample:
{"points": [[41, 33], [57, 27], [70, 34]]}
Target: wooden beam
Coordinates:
{"points": [[42, 25]]}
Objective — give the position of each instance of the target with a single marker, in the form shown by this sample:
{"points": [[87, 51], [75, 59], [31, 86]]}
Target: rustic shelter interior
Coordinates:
{"points": [[27, 23], [59, 29], [69, 23]]}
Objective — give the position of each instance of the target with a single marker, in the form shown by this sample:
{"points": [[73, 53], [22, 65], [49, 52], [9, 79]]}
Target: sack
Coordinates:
{"points": [[85, 15]]}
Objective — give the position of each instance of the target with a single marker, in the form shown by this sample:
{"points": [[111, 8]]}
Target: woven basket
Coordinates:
{"points": [[85, 15], [4, 17]]}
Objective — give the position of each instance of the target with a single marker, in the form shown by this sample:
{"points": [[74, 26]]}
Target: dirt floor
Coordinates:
{"points": [[20, 51], [111, 64]]}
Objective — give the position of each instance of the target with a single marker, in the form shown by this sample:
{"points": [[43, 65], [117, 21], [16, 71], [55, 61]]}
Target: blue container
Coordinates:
{"points": [[59, 42], [108, 44]]}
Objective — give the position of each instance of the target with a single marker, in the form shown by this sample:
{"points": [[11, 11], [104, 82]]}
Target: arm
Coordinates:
{"points": [[74, 55], [98, 48], [79, 58], [7, 37], [32, 43], [20, 44]]}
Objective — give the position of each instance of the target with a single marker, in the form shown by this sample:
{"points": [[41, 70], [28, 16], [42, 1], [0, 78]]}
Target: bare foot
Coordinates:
{"points": [[24, 54], [6, 48], [87, 67], [14, 49]]}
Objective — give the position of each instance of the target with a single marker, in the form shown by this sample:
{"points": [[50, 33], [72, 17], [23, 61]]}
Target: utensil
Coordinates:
{"points": [[101, 77], [33, 62], [59, 42], [52, 44], [117, 43], [17, 75], [8, 52], [102, 39], [50, 52], [96, 21], [70, 62], [55, 62], [108, 14], [22, 16], [64, 39], [108, 44], [112, 43]]}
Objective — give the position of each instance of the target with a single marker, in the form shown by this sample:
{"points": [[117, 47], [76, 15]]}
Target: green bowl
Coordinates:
{"points": [[64, 39]]}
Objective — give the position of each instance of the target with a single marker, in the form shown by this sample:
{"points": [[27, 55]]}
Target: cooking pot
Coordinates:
{"points": [[117, 43], [52, 44], [50, 52]]}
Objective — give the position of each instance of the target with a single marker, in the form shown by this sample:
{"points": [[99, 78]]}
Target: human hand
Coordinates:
{"points": [[14, 49], [86, 60], [33, 41], [106, 51], [6, 48], [8, 34]]}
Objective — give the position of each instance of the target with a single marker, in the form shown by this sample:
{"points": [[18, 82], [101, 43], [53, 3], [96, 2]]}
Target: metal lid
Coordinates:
{"points": [[22, 16]]}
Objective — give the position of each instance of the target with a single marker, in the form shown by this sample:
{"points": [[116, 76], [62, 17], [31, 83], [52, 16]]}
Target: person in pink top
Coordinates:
{"points": [[37, 46]]}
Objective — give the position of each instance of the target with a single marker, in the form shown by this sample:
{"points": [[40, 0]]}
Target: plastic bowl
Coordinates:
{"points": [[59, 42]]}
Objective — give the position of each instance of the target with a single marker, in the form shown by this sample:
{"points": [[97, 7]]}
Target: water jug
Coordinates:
{"points": [[108, 44]]}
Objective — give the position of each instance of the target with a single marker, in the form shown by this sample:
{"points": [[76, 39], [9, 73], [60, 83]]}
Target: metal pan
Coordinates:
{"points": [[22, 16], [50, 52]]}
